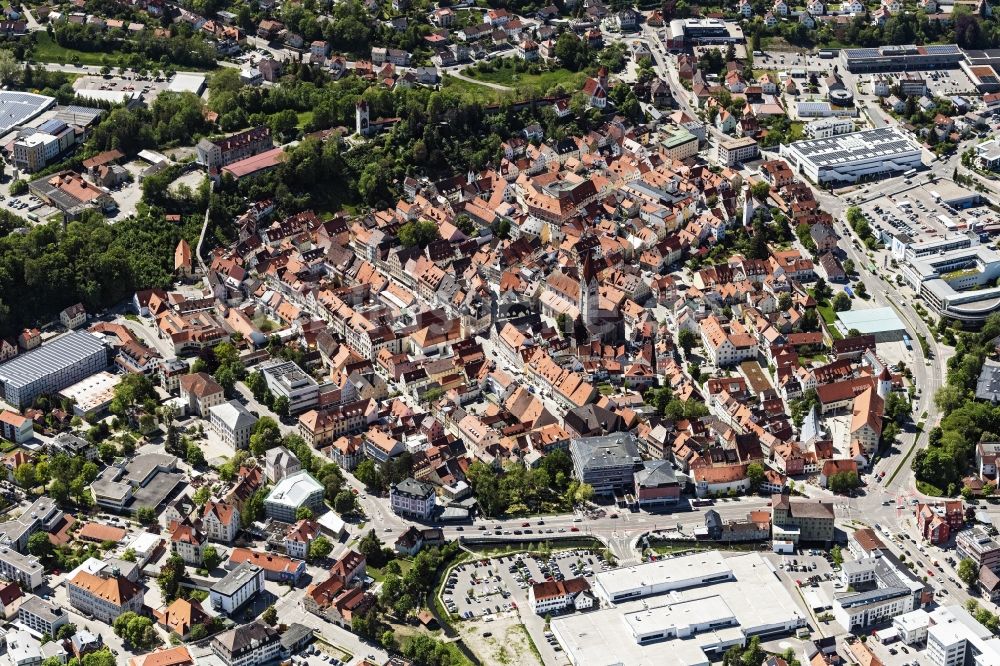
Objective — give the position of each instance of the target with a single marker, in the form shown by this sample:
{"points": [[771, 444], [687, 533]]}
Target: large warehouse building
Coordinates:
{"points": [[684, 611], [883, 323], [52, 367], [848, 158], [900, 58]]}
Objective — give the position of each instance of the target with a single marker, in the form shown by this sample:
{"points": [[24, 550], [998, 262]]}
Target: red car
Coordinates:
{"points": [[574, 529], [525, 524]]}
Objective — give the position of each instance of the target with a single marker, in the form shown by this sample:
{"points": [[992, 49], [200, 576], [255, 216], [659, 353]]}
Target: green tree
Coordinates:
{"points": [[303, 513], [755, 475], [253, 510], [195, 456], [345, 502], [841, 302], [202, 495], [968, 572], [842, 482], [134, 389], [367, 473], [371, 547], [687, 341], [210, 557], [172, 445], [320, 548], [760, 190], [821, 289], [170, 577], [24, 475], [418, 233], [270, 615], [280, 406], [66, 631], [136, 630], [266, 435], [837, 556], [146, 515], [40, 546]]}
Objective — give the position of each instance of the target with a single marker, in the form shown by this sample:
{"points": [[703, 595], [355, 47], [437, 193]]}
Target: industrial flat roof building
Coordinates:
{"points": [[901, 57], [883, 323], [689, 626], [678, 573], [957, 284], [848, 158], [17, 108], [52, 367]]}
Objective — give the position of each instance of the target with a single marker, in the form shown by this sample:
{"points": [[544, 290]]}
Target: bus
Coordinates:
{"points": [[906, 342], [910, 173], [702, 502]]}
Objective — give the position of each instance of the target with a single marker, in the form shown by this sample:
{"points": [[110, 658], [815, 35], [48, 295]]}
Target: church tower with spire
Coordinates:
{"points": [[589, 301], [884, 384]]}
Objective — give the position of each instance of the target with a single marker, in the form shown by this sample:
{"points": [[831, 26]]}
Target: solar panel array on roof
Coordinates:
{"points": [[17, 108], [942, 49], [53, 126], [880, 142]]}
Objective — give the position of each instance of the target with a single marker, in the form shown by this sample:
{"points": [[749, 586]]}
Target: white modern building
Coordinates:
{"points": [[291, 493], [25, 570], [912, 626], [848, 158], [957, 283], [285, 379], [660, 577], [895, 591], [233, 423], [238, 587], [824, 128], [41, 616], [954, 638]]}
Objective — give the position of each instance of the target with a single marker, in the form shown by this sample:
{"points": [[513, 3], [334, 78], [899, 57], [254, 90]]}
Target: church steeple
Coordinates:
{"points": [[589, 301]]}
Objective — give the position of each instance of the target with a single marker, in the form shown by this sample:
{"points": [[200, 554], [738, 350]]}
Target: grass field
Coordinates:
{"points": [[929, 489], [473, 91], [506, 76], [46, 50], [305, 117], [379, 574]]}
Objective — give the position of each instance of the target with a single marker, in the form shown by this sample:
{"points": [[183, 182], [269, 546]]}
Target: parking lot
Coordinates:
{"points": [[484, 588], [148, 87], [787, 60], [915, 210], [28, 206], [317, 654]]}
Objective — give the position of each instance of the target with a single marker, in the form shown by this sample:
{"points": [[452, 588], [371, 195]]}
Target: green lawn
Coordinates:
{"points": [[506, 76], [46, 50], [305, 117], [929, 489], [474, 91], [796, 130], [379, 574]]}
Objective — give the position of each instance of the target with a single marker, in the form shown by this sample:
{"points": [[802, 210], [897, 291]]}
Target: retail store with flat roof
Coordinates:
{"points": [[883, 323]]}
